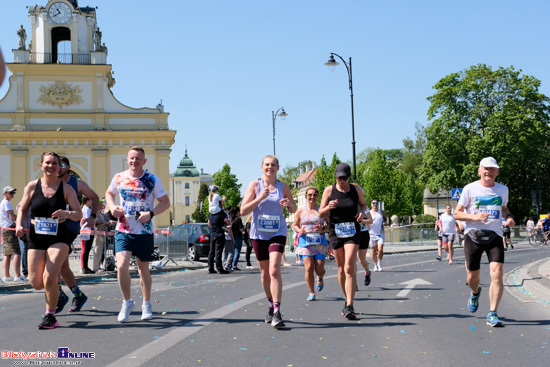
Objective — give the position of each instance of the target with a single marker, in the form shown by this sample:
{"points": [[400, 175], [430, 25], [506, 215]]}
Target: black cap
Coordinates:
{"points": [[343, 170], [64, 160]]}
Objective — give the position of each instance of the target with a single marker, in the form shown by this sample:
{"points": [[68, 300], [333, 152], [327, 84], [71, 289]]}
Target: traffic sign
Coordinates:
{"points": [[455, 193]]}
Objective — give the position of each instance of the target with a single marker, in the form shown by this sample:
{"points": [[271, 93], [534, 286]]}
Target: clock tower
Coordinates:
{"points": [[60, 99]]}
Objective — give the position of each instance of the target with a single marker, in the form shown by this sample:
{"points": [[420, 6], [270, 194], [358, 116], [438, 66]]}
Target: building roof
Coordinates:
{"points": [[306, 178], [186, 168]]}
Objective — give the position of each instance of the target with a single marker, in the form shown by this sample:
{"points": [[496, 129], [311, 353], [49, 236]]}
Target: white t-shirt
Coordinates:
{"points": [[478, 199], [447, 223], [214, 205], [365, 227], [86, 213], [5, 221], [376, 226], [136, 194]]}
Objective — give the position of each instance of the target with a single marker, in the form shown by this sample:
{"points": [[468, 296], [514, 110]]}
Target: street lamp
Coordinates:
{"points": [[283, 116], [331, 63]]}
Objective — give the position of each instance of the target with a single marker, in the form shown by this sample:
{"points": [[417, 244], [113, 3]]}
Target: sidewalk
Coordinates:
{"points": [[528, 283]]}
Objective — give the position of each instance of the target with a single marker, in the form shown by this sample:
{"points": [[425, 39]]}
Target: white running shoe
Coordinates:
{"points": [[125, 311], [7, 279], [146, 311], [375, 267], [379, 265]]}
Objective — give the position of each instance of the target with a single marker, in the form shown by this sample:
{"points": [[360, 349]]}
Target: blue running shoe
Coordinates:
{"points": [[320, 284], [311, 297], [473, 302], [78, 302], [492, 319], [61, 302]]}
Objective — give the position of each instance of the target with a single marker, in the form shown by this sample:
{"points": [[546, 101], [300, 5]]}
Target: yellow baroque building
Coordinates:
{"points": [[64, 103]]}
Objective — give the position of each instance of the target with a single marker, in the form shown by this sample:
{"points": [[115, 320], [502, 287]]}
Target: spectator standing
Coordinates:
{"points": [[11, 244]]}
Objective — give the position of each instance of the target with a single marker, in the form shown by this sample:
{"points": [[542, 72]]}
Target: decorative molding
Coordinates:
{"points": [[60, 94]]}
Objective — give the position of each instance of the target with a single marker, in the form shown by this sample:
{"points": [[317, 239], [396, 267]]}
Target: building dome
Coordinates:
{"points": [[186, 168]]}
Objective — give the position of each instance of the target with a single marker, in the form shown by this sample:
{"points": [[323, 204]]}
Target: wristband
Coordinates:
{"points": [[152, 213]]}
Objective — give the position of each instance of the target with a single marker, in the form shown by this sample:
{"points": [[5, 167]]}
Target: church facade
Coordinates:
{"points": [[64, 103]]}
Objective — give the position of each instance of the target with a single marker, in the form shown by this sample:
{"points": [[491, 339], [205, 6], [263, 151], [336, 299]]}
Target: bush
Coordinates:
{"points": [[425, 218]]}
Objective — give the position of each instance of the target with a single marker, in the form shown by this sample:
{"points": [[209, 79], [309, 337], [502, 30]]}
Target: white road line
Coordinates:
{"points": [[155, 348]]}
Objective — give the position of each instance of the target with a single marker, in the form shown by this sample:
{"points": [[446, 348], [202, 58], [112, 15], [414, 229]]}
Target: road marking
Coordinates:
{"points": [[410, 285], [155, 348]]}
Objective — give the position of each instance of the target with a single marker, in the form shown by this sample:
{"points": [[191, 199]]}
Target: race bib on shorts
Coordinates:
{"points": [[46, 226], [131, 207], [268, 223], [313, 239], [344, 230]]}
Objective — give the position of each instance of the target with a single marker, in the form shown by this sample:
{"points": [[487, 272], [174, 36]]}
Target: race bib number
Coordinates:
{"points": [[313, 238], [46, 226], [132, 207], [344, 230], [494, 211], [268, 223]]}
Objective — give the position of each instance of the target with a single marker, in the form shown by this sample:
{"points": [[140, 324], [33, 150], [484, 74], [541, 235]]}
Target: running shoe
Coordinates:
{"points": [[269, 316], [146, 312], [473, 302], [61, 302], [125, 311], [236, 268], [349, 313], [311, 297], [344, 309], [367, 277], [78, 302], [320, 284], [277, 321], [492, 319], [450, 262], [512, 246], [438, 258], [48, 322], [379, 265], [375, 267]]}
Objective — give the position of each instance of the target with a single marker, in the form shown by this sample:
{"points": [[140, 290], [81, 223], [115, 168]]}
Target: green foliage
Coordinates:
{"points": [[198, 215], [481, 112], [227, 182], [425, 218], [325, 175], [290, 173]]}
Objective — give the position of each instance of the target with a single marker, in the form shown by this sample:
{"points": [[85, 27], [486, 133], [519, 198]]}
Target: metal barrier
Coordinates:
{"points": [[414, 236], [172, 244]]}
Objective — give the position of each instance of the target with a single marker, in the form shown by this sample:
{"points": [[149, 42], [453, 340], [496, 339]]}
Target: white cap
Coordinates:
{"points": [[488, 162]]}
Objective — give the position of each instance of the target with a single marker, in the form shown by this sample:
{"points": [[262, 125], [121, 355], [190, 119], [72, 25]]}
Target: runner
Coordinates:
{"points": [[47, 199], [73, 229], [365, 239], [312, 244], [138, 190], [265, 199], [376, 235], [481, 206], [344, 205], [439, 236], [448, 231]]}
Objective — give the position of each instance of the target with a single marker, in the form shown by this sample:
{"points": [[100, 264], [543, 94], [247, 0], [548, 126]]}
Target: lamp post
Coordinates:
{"points": [[274, 115], [331, 63]]}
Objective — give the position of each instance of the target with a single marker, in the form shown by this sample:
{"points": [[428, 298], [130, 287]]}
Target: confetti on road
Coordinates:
{"points": [[473, 328], [403, 331], [486, 352], [244, 348]]}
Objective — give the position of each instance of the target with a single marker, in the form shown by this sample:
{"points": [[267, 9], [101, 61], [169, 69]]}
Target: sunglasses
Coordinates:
{"points": [[375, 203], [342, 178], [13, 192], [63, 165]]}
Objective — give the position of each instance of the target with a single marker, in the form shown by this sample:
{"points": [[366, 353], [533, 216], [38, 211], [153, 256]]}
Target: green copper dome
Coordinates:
{"points": [[186, 168]]}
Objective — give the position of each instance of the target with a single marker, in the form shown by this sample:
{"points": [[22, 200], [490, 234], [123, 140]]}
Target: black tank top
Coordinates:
{"points": [[44, 207], [347, 207]]}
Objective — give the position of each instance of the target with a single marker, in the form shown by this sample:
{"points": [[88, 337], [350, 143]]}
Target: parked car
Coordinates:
{"points": [[199, 239]]}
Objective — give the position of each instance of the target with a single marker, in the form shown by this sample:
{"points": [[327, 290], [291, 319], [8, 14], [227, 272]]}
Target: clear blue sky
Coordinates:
{"points": [[221, 67]]}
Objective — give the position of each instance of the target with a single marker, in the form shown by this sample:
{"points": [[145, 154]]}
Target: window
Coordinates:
{"points": [[188, 219], [187, 201], [187, 185]]}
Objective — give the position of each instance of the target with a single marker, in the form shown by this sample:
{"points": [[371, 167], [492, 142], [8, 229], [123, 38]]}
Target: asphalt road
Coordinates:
{"points": [[413, 313]]}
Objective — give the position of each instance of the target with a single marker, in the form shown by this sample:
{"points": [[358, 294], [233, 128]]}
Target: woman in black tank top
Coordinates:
{"points": [[47, 198], [344, 205]]}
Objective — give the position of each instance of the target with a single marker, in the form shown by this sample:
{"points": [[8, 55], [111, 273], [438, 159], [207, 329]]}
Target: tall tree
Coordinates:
{"points": [[201, 216], [291, 172], [324, 176], [228, 184], [482, 112]]}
